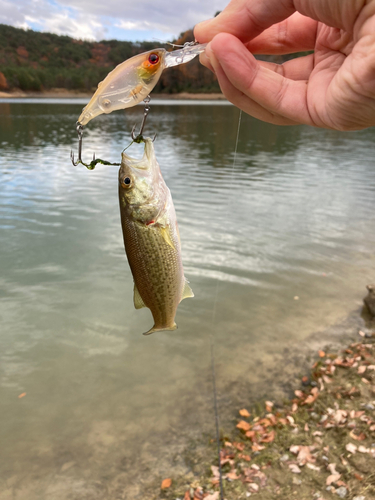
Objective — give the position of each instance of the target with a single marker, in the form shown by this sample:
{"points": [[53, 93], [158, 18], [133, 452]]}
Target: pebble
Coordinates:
{"points": [[342, 492], [314, 415], [284, 458], [359, 497], [369, 406]]}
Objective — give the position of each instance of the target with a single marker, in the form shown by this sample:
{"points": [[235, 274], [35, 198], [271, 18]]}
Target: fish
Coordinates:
{"points": [[151, 238], [132, 80]]}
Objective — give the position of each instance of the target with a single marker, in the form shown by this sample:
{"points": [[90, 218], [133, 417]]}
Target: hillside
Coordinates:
{"points": [[31, 60]]}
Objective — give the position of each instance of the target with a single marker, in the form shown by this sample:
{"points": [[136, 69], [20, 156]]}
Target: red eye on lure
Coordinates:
{"points": [[153, 58]]}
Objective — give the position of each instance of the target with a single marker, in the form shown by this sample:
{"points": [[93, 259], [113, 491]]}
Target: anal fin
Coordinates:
{"points": [[187, 291], [138, 301]]}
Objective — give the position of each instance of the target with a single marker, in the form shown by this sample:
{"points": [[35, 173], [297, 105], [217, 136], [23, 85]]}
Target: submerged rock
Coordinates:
{"points": [[369, 300]]}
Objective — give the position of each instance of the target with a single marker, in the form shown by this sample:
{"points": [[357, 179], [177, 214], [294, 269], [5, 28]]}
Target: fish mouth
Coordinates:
{"points": [[147, 159]]}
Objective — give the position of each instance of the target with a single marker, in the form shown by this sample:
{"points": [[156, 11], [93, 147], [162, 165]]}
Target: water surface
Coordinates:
{"points": [[291, 215]]}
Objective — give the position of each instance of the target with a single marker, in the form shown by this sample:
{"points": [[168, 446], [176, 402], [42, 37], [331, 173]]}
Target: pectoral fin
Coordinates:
{"points": [[164, 231], [187, 291], [138, 301]]}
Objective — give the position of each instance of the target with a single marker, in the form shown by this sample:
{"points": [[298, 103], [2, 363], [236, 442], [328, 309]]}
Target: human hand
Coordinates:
{"points": [[332, 88]]}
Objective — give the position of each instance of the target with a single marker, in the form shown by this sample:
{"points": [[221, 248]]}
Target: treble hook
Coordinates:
{"points": [[79, 129], [138, 138]]}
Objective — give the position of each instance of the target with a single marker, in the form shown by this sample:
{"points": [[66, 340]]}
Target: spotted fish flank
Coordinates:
{"points": [[151, 238]]}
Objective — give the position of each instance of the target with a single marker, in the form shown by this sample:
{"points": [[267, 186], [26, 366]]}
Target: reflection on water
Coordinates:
{"points": [[105, 407]]}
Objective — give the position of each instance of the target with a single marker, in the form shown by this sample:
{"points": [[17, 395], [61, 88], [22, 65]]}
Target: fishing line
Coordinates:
{"points": [[212, 340]]}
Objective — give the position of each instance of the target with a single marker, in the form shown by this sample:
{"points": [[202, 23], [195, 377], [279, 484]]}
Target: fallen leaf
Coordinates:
{"points": [[187, 495], [22, 395], [269, 406], [254, 487], [321, 354], [166, 483], [257, 447], [299, 393], [239, 446], [215, 471], [304, 455], [232, 475], [294, 407], [294, 468], [351, 448], [243, 425], [358, 477], [244, 413], [362, 449], [244, 457], [364, 380], [214, 496], [313, 467], [332, 468], [294, 449], [359, 437], [268, 438], [332, 479], [361, 369], [306, 428]]}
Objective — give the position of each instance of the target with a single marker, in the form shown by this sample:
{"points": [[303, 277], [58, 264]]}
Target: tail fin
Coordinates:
{"points": [[162, 329]]}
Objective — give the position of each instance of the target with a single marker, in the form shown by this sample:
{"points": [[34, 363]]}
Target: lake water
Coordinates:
{"points": [[106, 409]]}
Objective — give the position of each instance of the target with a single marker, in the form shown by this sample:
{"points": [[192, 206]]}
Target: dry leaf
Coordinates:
{"points": [[239, 446], [313, 467], [332, 468], [294, 407], [304, 455], [187, 495], [215, 471], [243, 425], [294, 449], [254, 487], [332, 479], [269, 406], [359, 437], [362, 449], [361, 369], [268, 438], [358, 477], [294, 468], [321, 354], [351, 448], [166, 483], [244, 457], [257, 447], [299, 393], [232, 475], [214, 496], [22, 395], [244, 413]]}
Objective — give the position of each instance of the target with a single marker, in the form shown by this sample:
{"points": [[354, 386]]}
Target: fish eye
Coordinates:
{"points": [[126, 182], [153, 58]]}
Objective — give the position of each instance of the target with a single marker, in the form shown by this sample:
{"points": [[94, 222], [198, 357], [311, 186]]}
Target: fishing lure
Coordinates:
{"points": [[130, 83]]}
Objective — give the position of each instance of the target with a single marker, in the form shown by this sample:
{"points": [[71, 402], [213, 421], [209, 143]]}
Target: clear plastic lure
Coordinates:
{"points": [[131, 81]]}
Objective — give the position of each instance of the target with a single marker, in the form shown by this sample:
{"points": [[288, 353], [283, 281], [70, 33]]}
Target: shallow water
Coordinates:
{"points": [[292, 215]]}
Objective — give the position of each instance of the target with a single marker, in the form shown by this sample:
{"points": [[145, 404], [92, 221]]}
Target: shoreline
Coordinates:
{"points": [[68, 94], [318, 443]]}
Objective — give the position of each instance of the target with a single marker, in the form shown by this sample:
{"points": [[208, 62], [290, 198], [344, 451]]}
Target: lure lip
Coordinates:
{"points": [[184, 55]]}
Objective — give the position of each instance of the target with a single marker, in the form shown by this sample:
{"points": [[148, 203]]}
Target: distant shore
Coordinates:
{"points": [[64, 93]]}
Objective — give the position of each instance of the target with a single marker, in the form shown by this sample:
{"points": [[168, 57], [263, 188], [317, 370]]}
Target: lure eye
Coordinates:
{"points": [[153, 58]]}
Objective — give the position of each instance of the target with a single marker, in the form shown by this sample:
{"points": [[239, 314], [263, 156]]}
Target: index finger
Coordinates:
{"points": [[245, 19]]}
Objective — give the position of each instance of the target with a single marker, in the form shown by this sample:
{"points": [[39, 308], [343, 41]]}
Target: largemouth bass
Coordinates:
{"points": [[151, 238]]}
